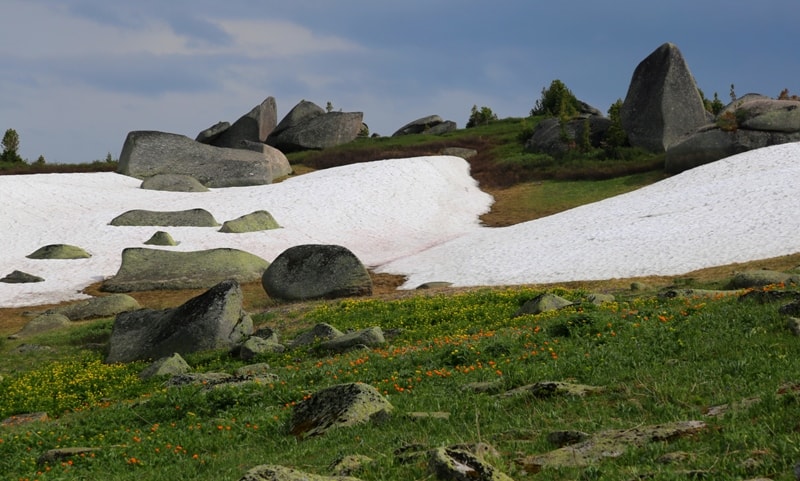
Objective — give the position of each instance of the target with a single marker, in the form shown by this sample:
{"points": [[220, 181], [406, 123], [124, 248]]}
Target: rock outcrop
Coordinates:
{"points": [[212, 320], [308, 127], [149, 153], [145, 269], [314, 271], [254, 126], [338, 406], [662, 105], [431, 124], [173, 183]]}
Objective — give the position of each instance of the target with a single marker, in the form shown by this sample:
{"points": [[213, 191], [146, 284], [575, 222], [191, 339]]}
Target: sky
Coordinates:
{"points": [[714, 215], [78, 75]]}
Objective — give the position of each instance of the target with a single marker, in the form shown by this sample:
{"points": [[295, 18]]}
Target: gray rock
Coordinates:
{"points": [[418, 126], [161, 238], [152, 269], [710, 144], [442, 128], [253, 222], [253, 370], [462, 465], [598, 299], [369, 337], [543, 303], [313, 271], [19, 277], [548, 136], [59, 251], [319, 132], [208, 135], [321, 331], [300, 113], [173, 183], [767, 114], [761, 278], [43, 323], [254, 126], [212, 320], [97, 307], [278, 163], [255, 345], [465, 154], [189, 218], [662, 105], [149, 153], [271, 472], [338, 406], [166, 366]]}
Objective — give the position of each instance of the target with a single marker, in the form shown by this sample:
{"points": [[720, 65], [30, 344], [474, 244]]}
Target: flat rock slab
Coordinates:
{"points": [[188, 218], [145, 269]]}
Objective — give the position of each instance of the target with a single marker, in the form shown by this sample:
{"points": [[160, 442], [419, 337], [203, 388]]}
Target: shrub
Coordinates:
{"points": [[556, 101], [10, 144], [616, 137], [480, 117]]}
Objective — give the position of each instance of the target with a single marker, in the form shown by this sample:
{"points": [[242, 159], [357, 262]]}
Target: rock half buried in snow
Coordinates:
{"points": [[212, 320], [161, 238], [59, 251], [253, 222], [173, 183], [338, 406], [150, 269], [189, 218], [313, 271], [19, 277]]}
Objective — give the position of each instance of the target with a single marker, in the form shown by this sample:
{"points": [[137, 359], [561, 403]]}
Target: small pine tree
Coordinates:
{"points": [[40, 161], [10, 144], [616, 137], [556, 101], [480, 117]]}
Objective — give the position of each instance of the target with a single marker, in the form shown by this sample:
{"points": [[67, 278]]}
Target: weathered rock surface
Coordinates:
{"points": [[188, 218], [173, 183], [161, 238], [462, 465], [546, 389], [166, 366], [255, 345], [369, 337], [313, 271], [543, 303], [212, 320], [548, 136], [145, 269], [254, 126], [300, 113], [59, 251], [321, 331], [271, 472], [253, 222], [19, 277], [96, 307], [278, 163], [319, 132], [43, 323], [338, 406], [208, 135], [761, 278], [419, 126], [662, 105], [149, 153]]}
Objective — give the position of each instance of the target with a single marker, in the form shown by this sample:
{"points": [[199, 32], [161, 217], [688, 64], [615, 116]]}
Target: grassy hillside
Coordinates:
{"points": [[455, 352]]}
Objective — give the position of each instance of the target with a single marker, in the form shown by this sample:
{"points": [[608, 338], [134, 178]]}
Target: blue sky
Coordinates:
{"points": [[78, 75]]}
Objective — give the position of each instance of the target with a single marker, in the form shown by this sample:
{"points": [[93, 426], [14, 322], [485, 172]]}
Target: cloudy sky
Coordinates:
{"points": [[78, 75]]}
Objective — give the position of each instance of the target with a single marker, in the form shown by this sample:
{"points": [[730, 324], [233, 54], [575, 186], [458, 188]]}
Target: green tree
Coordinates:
{"points": [[556, 101], [616, 137], [480, 117], [10, 144]]}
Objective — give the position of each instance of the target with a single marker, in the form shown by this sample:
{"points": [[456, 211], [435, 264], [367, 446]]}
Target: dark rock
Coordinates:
{"points": [[19, 277], [212, 320], [321, 331], [338, 406], [189, 218], [149, 153], [662, 105], [59, 251], [210, 134], [442, 128], [552, 138], [300, 113], [434, 285], [319, 132], [52, 456], [152, 269], [418, 126], [166, 366], [96, 307], [255, 126], [253, 222], [461, 465], [173, 183], [313, 271]]}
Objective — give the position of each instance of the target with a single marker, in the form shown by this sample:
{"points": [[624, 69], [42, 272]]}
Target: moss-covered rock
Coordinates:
{"points": [[253, 222], [188, 218], [59, 251], [338, 406]]}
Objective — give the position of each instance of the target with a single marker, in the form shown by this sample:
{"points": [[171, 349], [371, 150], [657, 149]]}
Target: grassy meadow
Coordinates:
{"points": [[657, 359]]}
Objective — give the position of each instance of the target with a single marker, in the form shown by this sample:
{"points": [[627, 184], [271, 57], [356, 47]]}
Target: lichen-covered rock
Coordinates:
{"points": [[543, 303], [166, 366], [59, 251], [547, 389], [212, 320], [321, 331], [419, 125], [19, 277], [188, 218], [369, 337], [161, 238], [255, 345], [761, 278], [96, 307], [313, 271], [43, 323], [271, 472], [338, 406], [152, 269], [253, 222], [462, 465]]}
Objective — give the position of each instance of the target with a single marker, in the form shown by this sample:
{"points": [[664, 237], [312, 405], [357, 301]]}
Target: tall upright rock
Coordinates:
{"points": [[663, 104]]}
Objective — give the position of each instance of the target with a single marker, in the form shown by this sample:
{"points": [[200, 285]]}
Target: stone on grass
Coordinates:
{"points": [[338, 406], [187, 218], [59, 251], [43, 323], [546, 389], [255, 345], [19, 277], [320, 332], [461, 465], [96, 307], [253, 222], [153, 269], [272, 472], [314, 271], [212, 320], [761, 278], [166, 366], [543, 303], [369, 337]]}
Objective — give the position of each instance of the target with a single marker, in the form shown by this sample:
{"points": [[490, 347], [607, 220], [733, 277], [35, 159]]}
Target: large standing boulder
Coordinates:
{"points": [[663, 104], [319, 132], [149, 153], [255, 126], [313, 271], [338, 406], [145, 269], [212, 320]]}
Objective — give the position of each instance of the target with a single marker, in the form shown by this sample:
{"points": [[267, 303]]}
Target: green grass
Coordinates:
{"points": [[660, 360]]}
